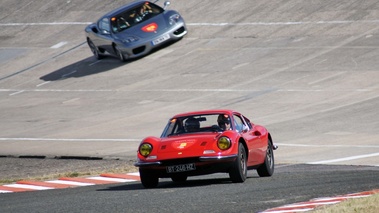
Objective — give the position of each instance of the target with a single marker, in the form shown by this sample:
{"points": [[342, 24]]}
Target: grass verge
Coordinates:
{"points": [[354, 205]]}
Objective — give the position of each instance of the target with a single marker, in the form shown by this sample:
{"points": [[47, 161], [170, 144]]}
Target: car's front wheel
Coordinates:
{"points": [[238, 172], [267, 168], [119, 53], [148, 179], [94, 50]]}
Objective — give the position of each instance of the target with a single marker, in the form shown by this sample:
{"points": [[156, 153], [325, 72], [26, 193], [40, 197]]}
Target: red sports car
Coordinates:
{"points": [[205, 142]]}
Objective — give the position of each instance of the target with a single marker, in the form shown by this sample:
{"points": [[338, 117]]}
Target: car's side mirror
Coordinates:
{"points": [[166, 4], [245, 128], [94, 29]]}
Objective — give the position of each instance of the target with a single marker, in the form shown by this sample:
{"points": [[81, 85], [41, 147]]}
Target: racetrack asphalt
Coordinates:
{"points": [[306, 71]]}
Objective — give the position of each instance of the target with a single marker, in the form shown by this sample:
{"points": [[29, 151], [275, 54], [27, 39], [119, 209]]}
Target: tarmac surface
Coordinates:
{"points": [[306, 71]]}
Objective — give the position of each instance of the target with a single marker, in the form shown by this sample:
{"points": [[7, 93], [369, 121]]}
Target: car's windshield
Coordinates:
{"points": [[197, 123], [131, 17]]}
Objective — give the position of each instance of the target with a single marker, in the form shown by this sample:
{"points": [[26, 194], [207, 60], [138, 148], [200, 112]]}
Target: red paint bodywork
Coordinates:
{"points": [[185, 146]]}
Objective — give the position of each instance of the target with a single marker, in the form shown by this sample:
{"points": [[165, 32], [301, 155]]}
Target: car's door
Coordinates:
{"points": [[104, 36], [252, 137]]}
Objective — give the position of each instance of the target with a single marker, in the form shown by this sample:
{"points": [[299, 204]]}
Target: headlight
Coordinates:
{"points": [[130, 39], [224, 143], [174, 19], [145, 149]]}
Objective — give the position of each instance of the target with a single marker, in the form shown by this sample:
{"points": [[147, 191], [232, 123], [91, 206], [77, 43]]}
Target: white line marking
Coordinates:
{"points": [[312, 204], [327, 146], [326, 78], [43, 83], [15, 93], [71, 100], [282, 23], [67, 139], [110, 179], [65, 75], [209, 23], [134, 173], [98, 61], [185, 90], [4, 191], [60, 44], [348, 104], [345, 159], [25, 186], [240, 65], [290, 210], [68, 182], [42, 24]]}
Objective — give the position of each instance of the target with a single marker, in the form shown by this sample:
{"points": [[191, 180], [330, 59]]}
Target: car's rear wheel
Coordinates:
{"points": [[119, 53], [94, 50], [148, 179], [267, 168], [238, 172], [179, 178]]}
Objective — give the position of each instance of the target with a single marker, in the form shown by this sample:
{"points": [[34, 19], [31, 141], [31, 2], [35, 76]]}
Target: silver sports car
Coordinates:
{"points": [[133, 30]]}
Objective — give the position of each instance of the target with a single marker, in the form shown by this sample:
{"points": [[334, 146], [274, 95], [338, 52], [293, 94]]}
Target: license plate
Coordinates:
{"points": [[181, 168], [161, 39]]}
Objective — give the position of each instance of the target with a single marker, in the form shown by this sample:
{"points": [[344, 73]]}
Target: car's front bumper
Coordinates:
{"points": [[215, 159], [144, 46], [203, 164]]}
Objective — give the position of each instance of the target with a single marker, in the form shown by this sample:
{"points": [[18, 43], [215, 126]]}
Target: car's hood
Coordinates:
{"points": [[157, 23], [188, 142]]}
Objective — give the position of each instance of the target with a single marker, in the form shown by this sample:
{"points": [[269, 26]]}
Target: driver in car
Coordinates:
{"points": [[224, 122]]}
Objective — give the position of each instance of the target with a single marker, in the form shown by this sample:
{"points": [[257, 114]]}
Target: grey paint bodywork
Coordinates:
{"points": [[102, 41]]}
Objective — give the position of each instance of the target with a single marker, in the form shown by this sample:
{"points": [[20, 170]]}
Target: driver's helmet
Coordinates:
{"points": [[222, 119], [192, 125]]}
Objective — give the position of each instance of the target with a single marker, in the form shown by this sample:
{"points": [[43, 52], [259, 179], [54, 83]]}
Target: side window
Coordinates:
{"points": [[247, 121], [104, 25], [238, 123]]}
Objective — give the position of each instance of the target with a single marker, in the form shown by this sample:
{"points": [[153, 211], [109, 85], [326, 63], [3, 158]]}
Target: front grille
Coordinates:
{"points": [[179, 31], [138, 50], [179, 161]]}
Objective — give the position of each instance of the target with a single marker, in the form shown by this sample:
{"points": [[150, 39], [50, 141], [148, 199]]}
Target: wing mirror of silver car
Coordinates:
{"points": [[166, 4]]}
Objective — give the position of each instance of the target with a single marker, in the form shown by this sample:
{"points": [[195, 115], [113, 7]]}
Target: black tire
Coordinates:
{"points": [[94, 50], [179, 178], [238, 173], [148, 179], [267, 168], [119, 53]]}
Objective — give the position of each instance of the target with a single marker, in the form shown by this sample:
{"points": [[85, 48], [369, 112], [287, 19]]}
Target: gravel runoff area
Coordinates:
{"points": [[14, 168]]}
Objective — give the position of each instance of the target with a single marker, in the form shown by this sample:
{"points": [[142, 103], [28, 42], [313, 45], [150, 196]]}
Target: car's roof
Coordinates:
{"points": [[123, 8], [204, 112]]}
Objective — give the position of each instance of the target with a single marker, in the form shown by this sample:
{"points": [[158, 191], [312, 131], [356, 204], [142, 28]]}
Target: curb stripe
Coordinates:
{"points": [[72, 183], [312, 204], [13, 189], [31, 187], [68, 182], [123, 176], [47, 184], [86, 180], [118, 180]]}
